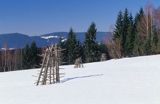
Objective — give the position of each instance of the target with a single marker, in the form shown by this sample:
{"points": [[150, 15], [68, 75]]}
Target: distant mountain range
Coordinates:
{"points": [[18, 40]]}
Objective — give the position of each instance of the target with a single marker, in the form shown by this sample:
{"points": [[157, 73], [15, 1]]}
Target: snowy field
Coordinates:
{"points": [[123, 81]]}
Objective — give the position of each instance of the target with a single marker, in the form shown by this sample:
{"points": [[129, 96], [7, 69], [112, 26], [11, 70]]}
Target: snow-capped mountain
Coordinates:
{"points": [[18, 40]]}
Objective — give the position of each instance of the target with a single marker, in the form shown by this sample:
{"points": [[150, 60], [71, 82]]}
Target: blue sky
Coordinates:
{"points": [[35, 17]]}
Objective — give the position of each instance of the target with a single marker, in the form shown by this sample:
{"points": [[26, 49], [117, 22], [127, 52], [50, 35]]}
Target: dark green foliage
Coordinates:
{"points": [[89, 51], [78, 51], [147, 47], [130, 37], [155, 41], [35, 59], [155, 37], [101, 49], [71, 47], [125, 35], [118, 27], [123, 31], [90, 44], [26, 57], [30, 56]]}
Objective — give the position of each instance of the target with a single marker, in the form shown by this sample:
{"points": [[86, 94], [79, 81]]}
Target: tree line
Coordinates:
{"points": [[132, 36], [19, 59], [89, 50], [30, 56], [136, 36]]}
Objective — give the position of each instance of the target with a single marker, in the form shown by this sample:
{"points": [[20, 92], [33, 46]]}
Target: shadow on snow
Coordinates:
{"points": [[80, 77]]}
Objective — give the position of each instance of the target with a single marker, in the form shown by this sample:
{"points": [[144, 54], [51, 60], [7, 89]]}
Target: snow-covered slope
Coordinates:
{"points": [[124, 81]]}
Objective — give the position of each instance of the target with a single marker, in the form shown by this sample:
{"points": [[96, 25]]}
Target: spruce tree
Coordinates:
{"points": [[26, 57], [155, 41], [126, 23], [34, 55], [70, 47], [136, 42], [118, 31], [139, 42], [147, 47], [118, 27], [78, 51], [130, 37], [121, 31], [90, 43]]}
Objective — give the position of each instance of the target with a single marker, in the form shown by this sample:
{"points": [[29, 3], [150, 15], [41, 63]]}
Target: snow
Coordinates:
{"points": [[117, 81], [63, 40], [7, 49], [49, 37]]}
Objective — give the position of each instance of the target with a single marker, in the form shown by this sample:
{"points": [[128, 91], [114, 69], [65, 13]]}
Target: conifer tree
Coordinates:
{"points": [[30, 56], [118, 31], [147, 47], [130, 38], [118, 27], [34, 55], [71, 45], [78, 51], [155, 41], [125, 32], [90, 43], [121, 31], [27, 57]]}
